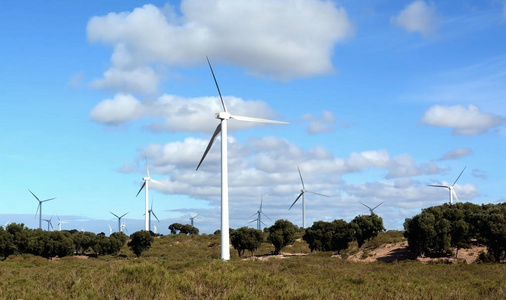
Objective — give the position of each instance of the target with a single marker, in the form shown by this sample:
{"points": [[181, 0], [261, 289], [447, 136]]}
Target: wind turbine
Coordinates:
{"points": [[147, 179], [191, 218], [49, 223], [110, 230], [39, 208], [119, 219], [60, 222], [259, 216], [371, 209], [151, 212], [450, 187], [223, 128], [154, 229], [123, 226], [302, 193]]}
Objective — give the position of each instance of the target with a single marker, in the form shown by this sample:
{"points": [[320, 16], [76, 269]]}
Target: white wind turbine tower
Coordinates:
{"points": [[223, 128], [371, 209], [60, 222], [147, 179], [39, 208], [302, 194], [119, 219], [450, 187], [191, 218], [259, 216]]}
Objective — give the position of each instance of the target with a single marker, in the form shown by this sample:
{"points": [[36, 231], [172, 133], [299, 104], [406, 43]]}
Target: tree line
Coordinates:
{"points": [[18, 239], [443, 230], [321, 236]]}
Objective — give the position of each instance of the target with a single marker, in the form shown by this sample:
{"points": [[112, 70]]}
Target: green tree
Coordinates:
{"points": [[188, 229], [329, 236], [7, 246], [367, 227], [342, 236], [140, 242], [281, 234], [246, 238], [175, 228]]}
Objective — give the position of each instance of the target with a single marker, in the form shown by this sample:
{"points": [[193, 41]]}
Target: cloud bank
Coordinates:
{"points": [[418, 17]]}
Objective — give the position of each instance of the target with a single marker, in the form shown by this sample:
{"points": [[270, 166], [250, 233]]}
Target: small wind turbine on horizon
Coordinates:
{"points": [[145, 185], [450, 187], [371, 209], [259, 216], [302, 194], [191, 218], [119, 219], [39, 208], [151, 212], [123, 226], [60, 222], [110, 230], [223, 128], [49, 223]]}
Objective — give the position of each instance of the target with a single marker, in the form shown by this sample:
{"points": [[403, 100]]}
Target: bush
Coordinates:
{"points": [[140, 242]]}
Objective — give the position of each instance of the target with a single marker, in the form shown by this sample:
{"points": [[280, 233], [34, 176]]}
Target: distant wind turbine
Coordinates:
{"points": [[154, 229], [371, 209], [302, 194], [223, 128], [110, 230], [123, 226], [39, 208], [147, 179], [119, 219], [450, 187], [151, 212], [60, 222], [191, 218], [49, 223], [259, 216]]}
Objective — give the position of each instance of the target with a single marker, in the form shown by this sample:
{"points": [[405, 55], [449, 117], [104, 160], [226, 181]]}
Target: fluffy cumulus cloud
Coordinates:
{"points": [[122, 108], [418, 17], [463, 120], [456, 153], [268, 166], [284, 39], [176, 114]]}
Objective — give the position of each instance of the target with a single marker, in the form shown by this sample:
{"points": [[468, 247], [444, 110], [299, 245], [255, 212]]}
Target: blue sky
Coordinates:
{"points": [[382, 99]]}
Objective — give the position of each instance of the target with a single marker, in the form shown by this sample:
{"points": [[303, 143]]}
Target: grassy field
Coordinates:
{"points": [[188, 267]]}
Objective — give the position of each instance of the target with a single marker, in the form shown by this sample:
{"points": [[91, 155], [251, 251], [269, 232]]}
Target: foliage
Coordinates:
{"points": [[367, 227], [140, 242], [183, 229], [440, 229], [329, 236], [246, 238], [281, 234]]}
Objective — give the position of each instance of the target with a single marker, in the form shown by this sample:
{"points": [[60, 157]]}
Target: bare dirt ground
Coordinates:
{"points": [[399, 251]]}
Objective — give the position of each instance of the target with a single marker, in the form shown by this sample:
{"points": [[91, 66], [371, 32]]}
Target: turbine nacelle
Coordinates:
{"points": [[223, 115]]}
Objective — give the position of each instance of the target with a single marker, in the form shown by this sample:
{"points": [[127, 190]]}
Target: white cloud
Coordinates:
{"points": [[463, 121], [418, 17], [456, 153], [280, 39], [179, 113], [320, 124], [121, 109]]}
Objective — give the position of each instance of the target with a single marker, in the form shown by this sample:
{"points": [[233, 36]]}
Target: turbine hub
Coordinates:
{"points": [[223, 115], [146, 178]]}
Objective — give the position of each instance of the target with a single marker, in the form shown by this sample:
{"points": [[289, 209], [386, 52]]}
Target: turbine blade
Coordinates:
{"points": [[155, 216], [365, 205], [158, 182], [122, 215], [263, 223], [253, 215], [257, 120], [114, 214], [266, 216], [459, 176], [213, 138], [300, 174], [317, 194], [300, 195], [443, 186], [47, 200], [455, 195], [261, 201], [34, 195], [377, 206], [143, 185], [217, 86], [252, 221]]}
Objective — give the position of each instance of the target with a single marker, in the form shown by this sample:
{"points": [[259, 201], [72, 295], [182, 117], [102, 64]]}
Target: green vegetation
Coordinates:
{"points": [[281, 234], [246, 238], [440, 229], [140, 242], [188, 267], [329, 236]]}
